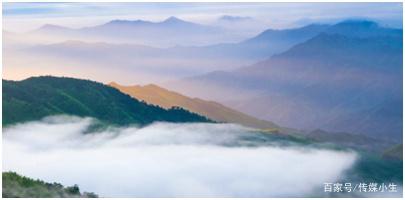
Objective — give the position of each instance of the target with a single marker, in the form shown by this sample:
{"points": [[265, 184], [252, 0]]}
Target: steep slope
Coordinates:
{"points": [[262, 46], [17, 186], [273, 41], [34, 98], [156, 95], [337, 82], [351, 84]]}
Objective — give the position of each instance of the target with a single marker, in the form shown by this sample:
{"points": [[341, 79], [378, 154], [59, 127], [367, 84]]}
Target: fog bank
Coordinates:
{"points": [[167, 160]]}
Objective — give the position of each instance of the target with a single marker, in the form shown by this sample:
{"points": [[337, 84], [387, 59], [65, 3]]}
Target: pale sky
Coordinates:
{"points": [[20, 17]]}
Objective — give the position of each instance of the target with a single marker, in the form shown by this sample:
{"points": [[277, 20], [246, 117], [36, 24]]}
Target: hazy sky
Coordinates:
{"points": [[27, 16]]}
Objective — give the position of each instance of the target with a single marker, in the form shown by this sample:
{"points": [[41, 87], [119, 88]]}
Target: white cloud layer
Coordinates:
{"points": [[166, 160]]}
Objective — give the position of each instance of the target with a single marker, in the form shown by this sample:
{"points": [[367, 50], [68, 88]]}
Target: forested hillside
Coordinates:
{"points": [[37, 97]]}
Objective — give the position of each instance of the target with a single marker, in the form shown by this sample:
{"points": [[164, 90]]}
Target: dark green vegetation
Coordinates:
{"points": [[371, 168], [37, 97], [16, 186]]}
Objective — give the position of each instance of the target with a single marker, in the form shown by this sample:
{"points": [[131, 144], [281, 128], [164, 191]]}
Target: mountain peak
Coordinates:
{"points": [[125, 22], [113, 84], [363, 29], [51, 27], [173, 19], [359, 23]]}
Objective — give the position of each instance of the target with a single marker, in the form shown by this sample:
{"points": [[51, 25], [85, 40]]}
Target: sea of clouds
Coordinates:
{"points": [[167, 160]]}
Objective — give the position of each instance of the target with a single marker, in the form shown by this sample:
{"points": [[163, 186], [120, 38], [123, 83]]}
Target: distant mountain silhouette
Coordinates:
{"points": [[52, 28], [261, 46], [363, 29], [272, 41], [169, 32], [200, 59], [347, 82]]}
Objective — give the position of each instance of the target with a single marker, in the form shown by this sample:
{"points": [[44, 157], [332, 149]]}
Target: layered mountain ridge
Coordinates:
{"points": [[156, 95], [344, 79]]}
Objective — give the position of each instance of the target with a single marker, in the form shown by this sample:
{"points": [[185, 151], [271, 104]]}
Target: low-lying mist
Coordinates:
{"points": [[167, 160]]}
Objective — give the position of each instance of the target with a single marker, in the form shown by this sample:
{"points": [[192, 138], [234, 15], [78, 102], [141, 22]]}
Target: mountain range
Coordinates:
{"points": [[344, 77], [347, 78], [162, 97], [159, 34], [138, 58], [146, 62]]}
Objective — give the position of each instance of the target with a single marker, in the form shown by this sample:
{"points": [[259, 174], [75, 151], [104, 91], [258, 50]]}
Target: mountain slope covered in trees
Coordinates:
{"points": [[37, 97], [17, 186]]}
